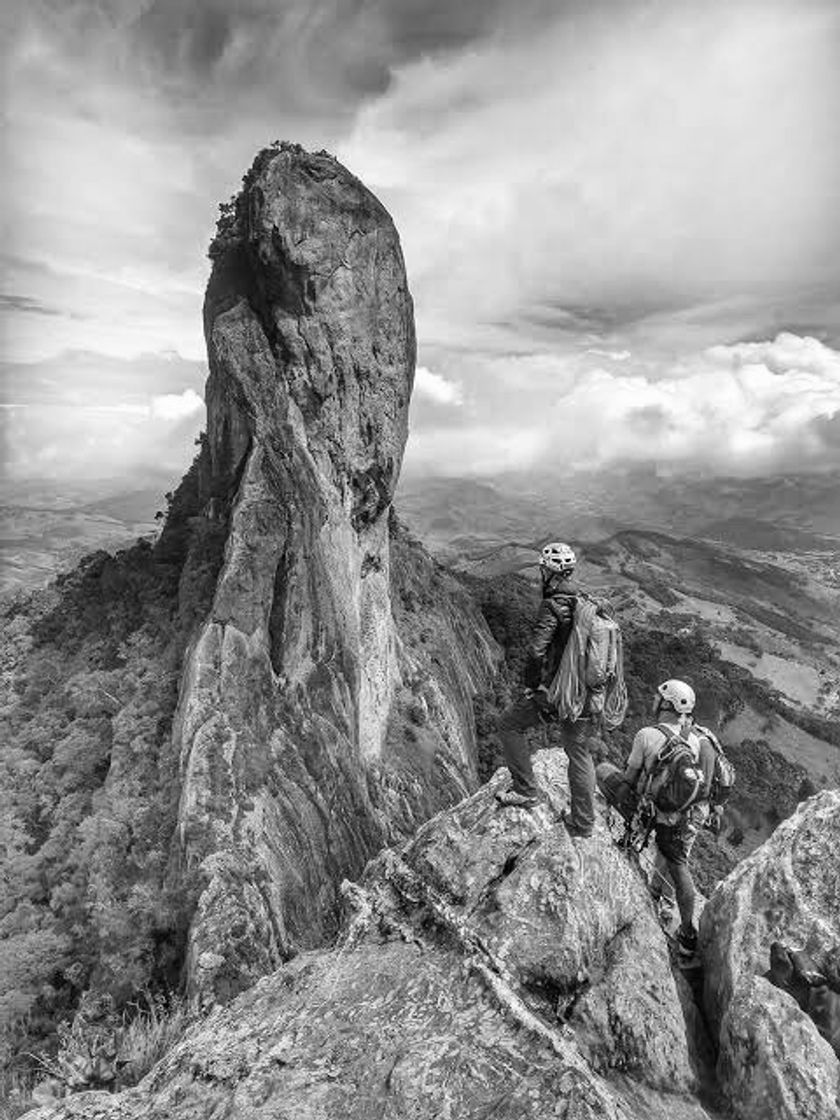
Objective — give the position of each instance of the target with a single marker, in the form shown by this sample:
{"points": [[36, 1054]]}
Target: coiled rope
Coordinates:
{"points": [[568, 691]]}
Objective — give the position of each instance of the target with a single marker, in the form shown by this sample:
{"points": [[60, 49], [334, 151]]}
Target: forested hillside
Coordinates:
{"points": [[89, 788]]}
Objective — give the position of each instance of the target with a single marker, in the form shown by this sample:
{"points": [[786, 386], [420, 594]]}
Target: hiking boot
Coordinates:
{"points": [[686, 942], [573, 830], [510, 798]]}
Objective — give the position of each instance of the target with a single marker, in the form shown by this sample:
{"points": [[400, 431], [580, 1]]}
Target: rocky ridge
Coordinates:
{"points": [[494, 966], [490, 966]]}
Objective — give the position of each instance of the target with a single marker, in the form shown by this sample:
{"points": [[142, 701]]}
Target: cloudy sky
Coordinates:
{"points": [[620, 218]]}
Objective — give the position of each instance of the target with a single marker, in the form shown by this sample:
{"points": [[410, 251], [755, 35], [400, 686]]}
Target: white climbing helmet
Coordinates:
{"points": [[679, 695], [558, 557]]}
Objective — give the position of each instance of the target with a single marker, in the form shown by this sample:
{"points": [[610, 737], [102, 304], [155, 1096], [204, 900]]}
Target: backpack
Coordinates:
{"points": [[723, 776], [591, 668], [676, 780]]}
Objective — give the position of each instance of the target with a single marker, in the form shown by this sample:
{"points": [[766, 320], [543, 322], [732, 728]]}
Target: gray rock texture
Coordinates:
{"points": [[773, 1061], [491, 967], [295, 760]]}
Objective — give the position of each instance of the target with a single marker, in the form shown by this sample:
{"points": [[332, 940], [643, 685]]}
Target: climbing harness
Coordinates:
{"points": [[635, 838]]}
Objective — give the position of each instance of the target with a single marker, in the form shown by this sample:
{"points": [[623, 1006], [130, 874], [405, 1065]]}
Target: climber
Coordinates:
{"points": [[551, 633], [675, 830]]}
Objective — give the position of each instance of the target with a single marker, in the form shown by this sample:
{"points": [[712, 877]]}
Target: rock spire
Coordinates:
{"points": [[294, 682]]}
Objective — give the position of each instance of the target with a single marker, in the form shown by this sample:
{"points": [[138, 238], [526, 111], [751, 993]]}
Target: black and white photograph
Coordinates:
{"points": [[420, 560]]}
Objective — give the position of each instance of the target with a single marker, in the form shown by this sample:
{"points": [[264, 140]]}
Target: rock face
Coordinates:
{"points": [[294, 765], [772, 1058], [490, 967]]}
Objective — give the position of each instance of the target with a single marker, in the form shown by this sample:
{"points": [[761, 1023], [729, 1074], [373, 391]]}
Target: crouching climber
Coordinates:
{"points": [[672, 766], [563, 608]]}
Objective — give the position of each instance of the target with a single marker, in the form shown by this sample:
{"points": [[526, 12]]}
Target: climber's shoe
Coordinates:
{"points": [[686, 943], [573, 830], [511, 799]]}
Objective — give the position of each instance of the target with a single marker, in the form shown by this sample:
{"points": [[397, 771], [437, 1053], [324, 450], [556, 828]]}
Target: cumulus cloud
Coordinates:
{"points": [[612, 163], [748, 408], [86, 417], [436, 388], [176, 406], [128, 121], [597, 200]]}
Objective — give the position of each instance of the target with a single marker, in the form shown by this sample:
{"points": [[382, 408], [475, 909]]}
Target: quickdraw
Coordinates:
{"points": [[637, 830]]}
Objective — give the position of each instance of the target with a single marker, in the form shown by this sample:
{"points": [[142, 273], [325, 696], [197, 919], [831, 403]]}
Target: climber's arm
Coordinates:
{"points": [[544, 631], [635, 764]]}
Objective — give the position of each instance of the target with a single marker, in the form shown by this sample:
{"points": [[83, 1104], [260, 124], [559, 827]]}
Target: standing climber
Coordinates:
{"points": [[676, 830], [553, 628]]}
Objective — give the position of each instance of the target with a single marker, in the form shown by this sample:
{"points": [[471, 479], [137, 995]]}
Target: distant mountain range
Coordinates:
{"points": [[454, 516], [754, 563], [750, 565], [47, 526]]}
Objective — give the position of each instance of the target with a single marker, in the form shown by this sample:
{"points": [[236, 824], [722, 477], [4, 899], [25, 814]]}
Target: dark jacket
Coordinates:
{"points": [[551, 632]]}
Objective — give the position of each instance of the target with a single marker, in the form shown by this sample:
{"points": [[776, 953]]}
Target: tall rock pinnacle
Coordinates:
{"points": [[288, 690]]}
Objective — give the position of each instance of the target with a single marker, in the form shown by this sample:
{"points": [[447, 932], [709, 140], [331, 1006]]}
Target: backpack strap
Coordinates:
{"points": [[672, 738], [705, 733]]}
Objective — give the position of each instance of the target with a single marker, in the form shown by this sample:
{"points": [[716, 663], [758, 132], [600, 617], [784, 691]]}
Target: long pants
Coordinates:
{"points": [[577, 739]]}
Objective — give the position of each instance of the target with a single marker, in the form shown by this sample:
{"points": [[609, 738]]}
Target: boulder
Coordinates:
{"points": [[772, 1059]]}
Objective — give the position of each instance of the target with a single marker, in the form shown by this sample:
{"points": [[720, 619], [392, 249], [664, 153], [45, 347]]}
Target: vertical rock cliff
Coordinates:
{"points": [[295, 766]]}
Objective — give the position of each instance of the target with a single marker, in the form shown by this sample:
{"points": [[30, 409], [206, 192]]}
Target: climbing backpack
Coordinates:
{"points": [[723, 775], [676, 779], [591, 668]]}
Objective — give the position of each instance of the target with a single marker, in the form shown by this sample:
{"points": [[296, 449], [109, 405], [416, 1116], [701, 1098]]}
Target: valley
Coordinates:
{"points": [[47, 527]]}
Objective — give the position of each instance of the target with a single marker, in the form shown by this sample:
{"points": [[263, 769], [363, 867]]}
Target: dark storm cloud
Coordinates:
{"points": [[425, 26], [186, 34], [27, 305], [589, 193], [210, 56]]}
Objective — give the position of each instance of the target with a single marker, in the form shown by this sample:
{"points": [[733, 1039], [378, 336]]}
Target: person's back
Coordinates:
{"points": [[553, 627], [555, 619], [675, 830], [647, 748]]}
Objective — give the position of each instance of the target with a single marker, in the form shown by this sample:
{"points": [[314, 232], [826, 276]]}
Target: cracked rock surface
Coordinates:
{"points": [[490, 967], [773, 1060]]}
